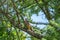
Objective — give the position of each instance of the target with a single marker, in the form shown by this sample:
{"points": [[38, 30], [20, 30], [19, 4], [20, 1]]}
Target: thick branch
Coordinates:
{"points": [[25, 30], [33, 34]]}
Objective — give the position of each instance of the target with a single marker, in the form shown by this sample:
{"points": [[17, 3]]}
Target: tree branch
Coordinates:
{"points": [[17, 13], [45, 10], [2, 2], [39, 36], [39, 23]]}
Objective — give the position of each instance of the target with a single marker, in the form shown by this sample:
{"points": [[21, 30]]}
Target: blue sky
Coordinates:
{"points": [[40, 18]]}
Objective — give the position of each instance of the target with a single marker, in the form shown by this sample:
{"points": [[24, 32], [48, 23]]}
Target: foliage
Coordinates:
{"points": [[14, 12]]}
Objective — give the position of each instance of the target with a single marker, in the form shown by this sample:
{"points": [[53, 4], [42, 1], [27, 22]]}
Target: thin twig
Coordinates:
{"points": [[17, 33], [39, 23], [2, 2], [45, 10], [17, 13]]}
